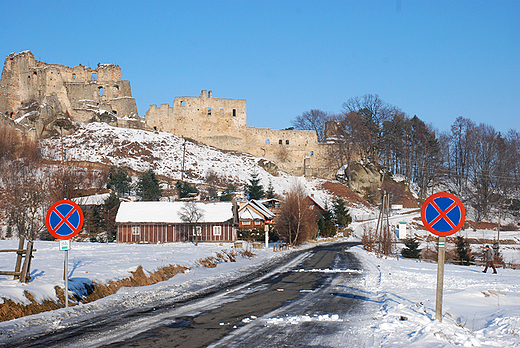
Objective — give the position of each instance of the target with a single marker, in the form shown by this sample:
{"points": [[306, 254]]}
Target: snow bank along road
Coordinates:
{"points": [[310, 297]]}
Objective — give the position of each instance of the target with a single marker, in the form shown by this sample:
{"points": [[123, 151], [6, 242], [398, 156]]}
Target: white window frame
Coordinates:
{"points": [[197, 231], [246, 222], [217, 230], [136, 230], [258, 222]]}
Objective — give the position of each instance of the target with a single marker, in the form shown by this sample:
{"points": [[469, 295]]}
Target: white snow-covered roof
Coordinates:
{"points": [[249, 214], [91, 200], [263, 209], [169, 212]]}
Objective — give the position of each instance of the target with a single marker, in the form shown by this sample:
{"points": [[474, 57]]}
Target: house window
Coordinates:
{"points": [[280, 141], [287, 142], [246, 222], [209, 111], [94, 76], [267, 141], [197, 231], [217, 230], [234, 112], [258, 222], [136, 230]]}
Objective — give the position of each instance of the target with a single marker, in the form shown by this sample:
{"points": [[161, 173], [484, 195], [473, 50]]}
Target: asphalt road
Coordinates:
{"points": [[321, 288], [316, 290]]}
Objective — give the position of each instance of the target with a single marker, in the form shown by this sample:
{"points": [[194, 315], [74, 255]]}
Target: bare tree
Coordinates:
{"points": [[25, 197], [192, 214], [312, 120], [296, 222]]}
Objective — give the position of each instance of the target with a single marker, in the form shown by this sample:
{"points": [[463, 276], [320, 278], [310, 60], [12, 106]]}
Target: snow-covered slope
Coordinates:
{"points": [[163, 152]]}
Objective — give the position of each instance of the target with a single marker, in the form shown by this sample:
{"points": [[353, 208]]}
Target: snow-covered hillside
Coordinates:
{"points": [[140, 150]]}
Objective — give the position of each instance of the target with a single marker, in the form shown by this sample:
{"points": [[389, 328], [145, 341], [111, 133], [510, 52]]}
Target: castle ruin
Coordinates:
{"points": [[36, 94], [44, 99], [222, 123]]}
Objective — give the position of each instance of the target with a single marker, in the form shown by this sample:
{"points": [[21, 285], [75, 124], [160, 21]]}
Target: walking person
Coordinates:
{"points": [[489, 256]]}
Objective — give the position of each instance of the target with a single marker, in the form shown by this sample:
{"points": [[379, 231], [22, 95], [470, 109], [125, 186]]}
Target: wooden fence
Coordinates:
{"points": [[22, 272]]}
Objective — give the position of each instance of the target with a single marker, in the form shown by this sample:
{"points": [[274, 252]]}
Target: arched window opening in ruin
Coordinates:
{"points": [[209, 111], [183, 103], [312, 153], [267, 142], [234, 112], [280, 142], [115, 112], [117, 87], [100, 91], [73, 76], [155, 128], [287, 142], [94, 76]]}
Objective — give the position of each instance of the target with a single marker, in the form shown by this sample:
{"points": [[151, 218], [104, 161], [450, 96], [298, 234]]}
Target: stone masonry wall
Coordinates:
{"points": [[222, 123], [83, 92]]}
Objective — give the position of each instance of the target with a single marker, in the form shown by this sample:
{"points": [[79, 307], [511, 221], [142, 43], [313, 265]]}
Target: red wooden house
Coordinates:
{"points": [[253, 214], [161, 222]]}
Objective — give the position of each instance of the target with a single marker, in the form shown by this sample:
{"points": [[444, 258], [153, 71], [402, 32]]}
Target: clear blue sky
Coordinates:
{"points": [[436, 59]]}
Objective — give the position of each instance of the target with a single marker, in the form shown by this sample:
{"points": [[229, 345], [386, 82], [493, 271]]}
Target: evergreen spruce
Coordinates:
{"points": [[254, 189], [227, 194], [463, 251], [185, 189], [148, 188], [412, 250], [326, 223], [343, 217], [270, 191], [118, 180]]}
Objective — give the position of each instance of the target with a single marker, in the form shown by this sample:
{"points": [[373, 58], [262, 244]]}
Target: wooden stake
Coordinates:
{"points": [[440, 278]]}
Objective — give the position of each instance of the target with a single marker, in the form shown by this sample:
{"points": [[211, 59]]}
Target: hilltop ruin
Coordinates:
{"points": [[45, 99], [36, 95]]}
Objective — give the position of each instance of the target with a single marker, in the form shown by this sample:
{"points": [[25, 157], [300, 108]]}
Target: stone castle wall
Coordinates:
{"points": [[222, 123], [81, 91]]}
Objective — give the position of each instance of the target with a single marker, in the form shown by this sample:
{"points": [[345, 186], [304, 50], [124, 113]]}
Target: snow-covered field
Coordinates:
{"points": [[478, 309]]}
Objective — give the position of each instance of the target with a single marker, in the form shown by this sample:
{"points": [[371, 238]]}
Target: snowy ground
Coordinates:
{"points": [[478, 309]]}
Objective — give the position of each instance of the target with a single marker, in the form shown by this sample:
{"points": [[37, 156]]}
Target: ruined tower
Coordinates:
{"points": [[35, 93]]}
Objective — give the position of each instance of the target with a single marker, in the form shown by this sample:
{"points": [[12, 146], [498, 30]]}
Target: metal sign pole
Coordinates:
{"points": [[66, 275], [266, 230], [440, 279]]}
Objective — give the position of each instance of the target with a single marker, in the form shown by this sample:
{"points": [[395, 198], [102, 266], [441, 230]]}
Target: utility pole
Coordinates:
{"points": [[183, 158]]}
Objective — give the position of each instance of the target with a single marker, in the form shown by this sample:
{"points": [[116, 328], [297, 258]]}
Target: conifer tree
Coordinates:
{"points": [[343, 217], [185, 189], [118, 180], [270, 191], [412, 250], [227, 194], [254, 189], [148, 188], [326, 223], [463, 251]]}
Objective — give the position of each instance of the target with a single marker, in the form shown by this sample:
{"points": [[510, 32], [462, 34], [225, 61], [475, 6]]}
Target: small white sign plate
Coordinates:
{"points": [[64, 244]]}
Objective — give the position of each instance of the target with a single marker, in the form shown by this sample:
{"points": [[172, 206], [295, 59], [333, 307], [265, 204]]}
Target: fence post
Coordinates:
{"points": [[26, 269], [19, 257]]}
